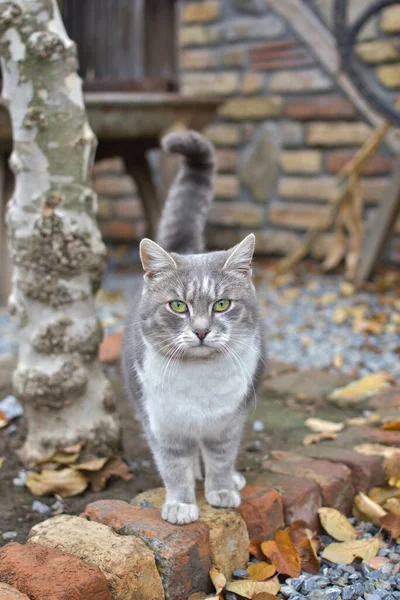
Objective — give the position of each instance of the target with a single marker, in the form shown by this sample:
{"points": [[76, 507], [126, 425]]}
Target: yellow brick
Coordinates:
{"points": [[337, 133], [197, 35], [379, 51], [197, 59], [301, 161], [311, 188], [390, 22], [389, 75], [226, 186], [206, 84], [201, 12], [234, 214], [223, 135], [258, 108], [252, 83]]}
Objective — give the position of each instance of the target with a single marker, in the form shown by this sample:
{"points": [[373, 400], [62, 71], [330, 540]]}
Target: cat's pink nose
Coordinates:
{"points": [[201, 333]]}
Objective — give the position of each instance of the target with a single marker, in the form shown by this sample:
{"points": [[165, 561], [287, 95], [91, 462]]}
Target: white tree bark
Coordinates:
{"points": [[56, 247]]}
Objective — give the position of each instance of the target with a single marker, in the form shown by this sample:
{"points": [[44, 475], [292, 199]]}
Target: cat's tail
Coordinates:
{"points": [[184, 216]]}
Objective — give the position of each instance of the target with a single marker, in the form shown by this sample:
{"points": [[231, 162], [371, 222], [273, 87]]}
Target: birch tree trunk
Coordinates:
{"points": [[56, 247]]}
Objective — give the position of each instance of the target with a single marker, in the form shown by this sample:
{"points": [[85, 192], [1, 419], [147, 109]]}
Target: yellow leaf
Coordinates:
{"points": [[346, 552], [249, 589], [362, 421], [340, 315], [368, 509], [92, 465], [197, 596], [347, 289], [218, 579], [336, 525], [321, 426], [392, 426], [2, 459], [264, 596], [394, 482], [283, 554], [368, 326], [358, 311], [391, 456], [327, 298], [66, 482], [338, 361], [393, 505], [260, 571], [99, 470], [382, 494], [363, 388], [315, 438]]}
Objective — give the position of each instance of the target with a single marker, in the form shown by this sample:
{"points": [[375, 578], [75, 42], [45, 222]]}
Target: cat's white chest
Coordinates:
{"points": [[194, 396]]}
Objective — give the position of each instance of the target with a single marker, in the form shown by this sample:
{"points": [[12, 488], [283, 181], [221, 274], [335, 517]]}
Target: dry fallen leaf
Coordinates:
{"points": [[301, 537], [392, 505], [392, 426], [368, 509], [250, 589], [377, 562], [2, 459], [315, 438], [362, 421], [391, 456], [197, 596], [255, 549], [264, 596], [322, 426], [282, 553], [361, 389], [66, 482], [382, 494], [338, 361], [368, 326], [3, 420], [346, 552], [340, 315], [336, 525], [327, 298], [391, 522], [347, 289], [113, 465], [260, 571], [218, 579]]}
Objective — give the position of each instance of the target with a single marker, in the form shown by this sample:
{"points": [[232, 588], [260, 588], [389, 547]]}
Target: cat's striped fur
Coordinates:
{"points": [[193, 393]]}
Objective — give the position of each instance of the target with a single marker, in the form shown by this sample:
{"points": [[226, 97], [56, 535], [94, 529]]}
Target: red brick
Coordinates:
{"points": [[122, 231], [333, 480], [182, 553], [10, 593], [278, 55], [388, 438], [128, 208], [366, 471], [309, 108], [112, 166], [301, 497], [378, 165], [47, 574], [262, 511], [389, 399], [111, 347]]}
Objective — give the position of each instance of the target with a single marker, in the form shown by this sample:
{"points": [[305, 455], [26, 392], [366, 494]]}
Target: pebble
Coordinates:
{"points": [[20, 480], [308, 586], [333, 593], [286, 590], [41, 508], [9, 535], [258, 426], [240, 574]]}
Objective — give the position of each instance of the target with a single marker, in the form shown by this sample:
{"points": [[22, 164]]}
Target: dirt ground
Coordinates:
{"points": [[280, 433]]}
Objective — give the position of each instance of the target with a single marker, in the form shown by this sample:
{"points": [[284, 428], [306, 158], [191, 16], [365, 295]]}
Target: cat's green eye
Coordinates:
{"points": [[221, 305], [178, 306]]}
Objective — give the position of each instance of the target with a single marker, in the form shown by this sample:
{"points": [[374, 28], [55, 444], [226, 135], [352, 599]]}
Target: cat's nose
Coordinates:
{"points": [[201, 333]]}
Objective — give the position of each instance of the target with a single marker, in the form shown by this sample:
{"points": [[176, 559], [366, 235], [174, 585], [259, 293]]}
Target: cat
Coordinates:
{"points": [[193, 345]]}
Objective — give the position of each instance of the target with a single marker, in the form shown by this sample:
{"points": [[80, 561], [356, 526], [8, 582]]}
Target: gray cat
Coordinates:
{"points": [[193, 348]]}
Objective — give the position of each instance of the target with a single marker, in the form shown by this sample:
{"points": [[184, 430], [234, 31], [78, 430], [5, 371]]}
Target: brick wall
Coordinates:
{"points": [[284, 129]]}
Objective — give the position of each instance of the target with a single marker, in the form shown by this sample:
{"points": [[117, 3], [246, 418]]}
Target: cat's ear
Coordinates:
{"points": [[240, 256], [154, 258]]}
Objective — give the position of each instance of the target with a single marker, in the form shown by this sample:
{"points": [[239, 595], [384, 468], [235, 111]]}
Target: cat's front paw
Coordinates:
{"points": [[179, 513], [223, 498]]}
